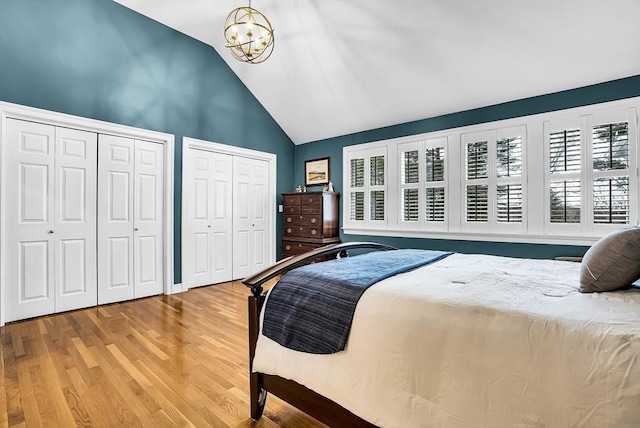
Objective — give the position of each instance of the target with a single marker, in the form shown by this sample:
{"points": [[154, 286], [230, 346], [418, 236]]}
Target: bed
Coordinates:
{"points": [[486, 341]]}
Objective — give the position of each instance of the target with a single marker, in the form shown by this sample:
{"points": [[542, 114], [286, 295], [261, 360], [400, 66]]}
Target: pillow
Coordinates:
{"points": [[611, 263]]}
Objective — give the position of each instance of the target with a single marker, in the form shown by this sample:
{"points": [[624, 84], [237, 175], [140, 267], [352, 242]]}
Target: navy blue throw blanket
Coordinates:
{"points": [[311, 308]]}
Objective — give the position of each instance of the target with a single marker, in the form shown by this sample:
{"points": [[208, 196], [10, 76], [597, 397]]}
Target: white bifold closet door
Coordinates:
{"points": [[250, 222], [51, 219], [208, 231], [130, 219], [226, 223]]}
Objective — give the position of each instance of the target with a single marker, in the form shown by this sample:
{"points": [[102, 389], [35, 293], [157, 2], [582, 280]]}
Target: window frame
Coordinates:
{"points": [[367, 188], [535, 226], [586, 227], [492, 225], [421, 147]]}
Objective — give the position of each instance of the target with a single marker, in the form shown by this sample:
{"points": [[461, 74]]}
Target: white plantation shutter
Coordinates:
{"points": [[377, 202], [422, 184], [565, 201], [478, 203], [477, 160], [611, 186], [611, 200], [357, 172], [356, 210], [509, 157], [365, 195], [434, 204], [509, 172], [409, 168], [565, 184], [357, 206], [409, 172], [565, 150], [434, 164], [477, 174], [377, 205], [435, 180], [494, 186], [509, 203], [611, 146]]}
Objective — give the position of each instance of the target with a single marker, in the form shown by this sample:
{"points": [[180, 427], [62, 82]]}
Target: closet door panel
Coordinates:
{"points": [[30, 152], [115, 218], [75, 219], [242, 217], [221, 218], [208, 228], [197, 178], [148, 222], [259, 207]]}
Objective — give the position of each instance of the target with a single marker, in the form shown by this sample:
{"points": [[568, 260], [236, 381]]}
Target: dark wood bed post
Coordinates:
{"points": [[258, 395], [295, 394]]}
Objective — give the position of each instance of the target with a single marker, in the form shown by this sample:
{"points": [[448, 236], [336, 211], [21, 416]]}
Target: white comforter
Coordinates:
{"points": [[481, 341]]}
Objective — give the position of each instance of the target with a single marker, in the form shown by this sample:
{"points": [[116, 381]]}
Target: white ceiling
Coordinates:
{"points": [[341, 66]]}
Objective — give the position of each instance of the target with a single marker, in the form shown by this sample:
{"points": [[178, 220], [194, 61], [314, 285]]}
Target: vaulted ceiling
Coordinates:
{"points": [[340, 66]]}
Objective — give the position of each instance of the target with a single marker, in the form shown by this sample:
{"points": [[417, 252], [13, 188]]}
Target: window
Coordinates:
{"points": [[611, 173], [366, 193], [477, 188], [435, 181], [589, 164], [422, 184], [377, 187], [357, 189], [564, 177], [564, 167], [409, 182], [494, 187]]}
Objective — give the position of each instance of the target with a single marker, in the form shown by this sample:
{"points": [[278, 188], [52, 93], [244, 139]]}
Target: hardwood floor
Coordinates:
{"points": [[163, 361]]}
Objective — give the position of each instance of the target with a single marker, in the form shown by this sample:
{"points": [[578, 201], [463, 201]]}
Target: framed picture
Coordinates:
{"points": [[316, 172]]}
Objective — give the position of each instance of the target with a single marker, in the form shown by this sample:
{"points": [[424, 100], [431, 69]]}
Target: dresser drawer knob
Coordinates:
{"points": [[313, 220], [299, 245], [288, 219], [288, 247], [289, 230], [313, 232]]}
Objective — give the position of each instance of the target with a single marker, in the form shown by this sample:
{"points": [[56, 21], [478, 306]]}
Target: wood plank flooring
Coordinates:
{"points": [[163, 361]]}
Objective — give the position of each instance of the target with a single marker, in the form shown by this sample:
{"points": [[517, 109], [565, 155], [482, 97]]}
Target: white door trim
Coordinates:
{"points": [[16, 111], [194, 143]]}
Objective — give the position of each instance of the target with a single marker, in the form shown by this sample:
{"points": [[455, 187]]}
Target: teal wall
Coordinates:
{"points": [[332, 147], [98, 59]]}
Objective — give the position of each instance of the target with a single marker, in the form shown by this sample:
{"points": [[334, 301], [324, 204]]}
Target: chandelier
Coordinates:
{"points": [[249, 35]]}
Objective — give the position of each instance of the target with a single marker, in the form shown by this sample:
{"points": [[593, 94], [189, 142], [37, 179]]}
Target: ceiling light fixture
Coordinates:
{"points": [[249, 35]]}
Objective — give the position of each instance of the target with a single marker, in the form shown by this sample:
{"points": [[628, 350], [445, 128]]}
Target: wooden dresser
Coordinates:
{"points": [[310, 221]]}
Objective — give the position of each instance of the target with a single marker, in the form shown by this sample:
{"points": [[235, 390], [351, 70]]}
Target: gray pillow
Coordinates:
{"points": [[611, 263]]}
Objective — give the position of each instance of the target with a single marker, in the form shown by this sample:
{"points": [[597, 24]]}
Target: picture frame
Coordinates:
{"points": [[316, 172]]}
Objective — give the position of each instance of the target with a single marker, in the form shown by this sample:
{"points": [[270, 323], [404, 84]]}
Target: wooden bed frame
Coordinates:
{"points": [[310, 402]]}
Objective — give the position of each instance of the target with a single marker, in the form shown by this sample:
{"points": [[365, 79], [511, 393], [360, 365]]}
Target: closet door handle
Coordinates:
{"points": [[209, 226], [135, 229], [51, 231]]}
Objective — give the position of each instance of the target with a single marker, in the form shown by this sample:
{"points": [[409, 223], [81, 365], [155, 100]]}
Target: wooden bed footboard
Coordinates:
{"points": [[297, 395]]}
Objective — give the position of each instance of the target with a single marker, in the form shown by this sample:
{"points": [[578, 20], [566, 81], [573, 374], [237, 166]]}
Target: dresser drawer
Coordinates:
{"points": [[292, 209], [311, 209], [290, 248], [303, 231], [311, 198], [292, 199], [303, 220]]}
